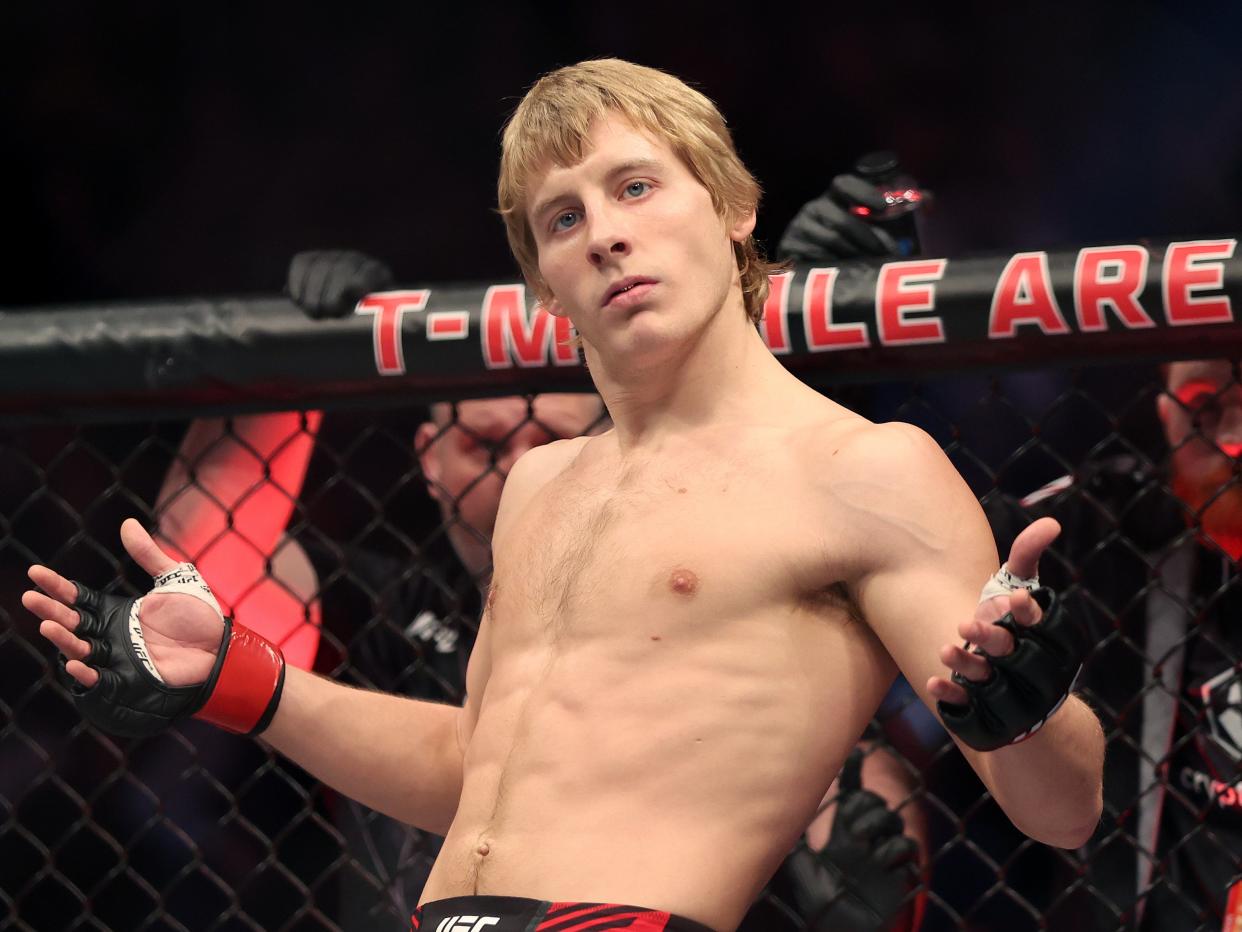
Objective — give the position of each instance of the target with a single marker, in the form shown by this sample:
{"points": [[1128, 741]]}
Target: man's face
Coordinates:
{"points": [[1201, 411], [466, 459], [631, 214]]}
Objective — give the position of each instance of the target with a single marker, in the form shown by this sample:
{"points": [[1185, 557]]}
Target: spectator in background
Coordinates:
{"points": [[1153, 544]]}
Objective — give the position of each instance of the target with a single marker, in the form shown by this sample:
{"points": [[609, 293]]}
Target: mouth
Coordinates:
{"points": [[627, 290]]}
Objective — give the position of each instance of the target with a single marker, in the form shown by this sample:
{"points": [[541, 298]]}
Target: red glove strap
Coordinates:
{"points": [[248, 680]]}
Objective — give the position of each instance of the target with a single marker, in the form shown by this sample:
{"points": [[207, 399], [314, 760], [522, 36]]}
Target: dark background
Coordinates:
{"points": [[164, 149]]}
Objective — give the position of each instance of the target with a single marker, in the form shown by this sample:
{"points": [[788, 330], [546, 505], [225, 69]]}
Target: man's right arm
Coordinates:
{"points": [[403, 757], [400, 756]]}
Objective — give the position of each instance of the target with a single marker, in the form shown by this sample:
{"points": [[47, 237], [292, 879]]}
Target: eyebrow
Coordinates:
{"points": [[628, 166]]}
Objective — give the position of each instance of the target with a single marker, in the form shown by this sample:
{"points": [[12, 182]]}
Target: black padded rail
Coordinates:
{"points": [[859, 322]]}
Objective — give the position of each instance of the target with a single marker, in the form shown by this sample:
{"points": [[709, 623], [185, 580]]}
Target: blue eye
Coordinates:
{"points": [[559, 224], [637, 188]]}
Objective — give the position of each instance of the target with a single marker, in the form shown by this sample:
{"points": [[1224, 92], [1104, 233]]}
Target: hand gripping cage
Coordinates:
{"points": [[1026, 368]]}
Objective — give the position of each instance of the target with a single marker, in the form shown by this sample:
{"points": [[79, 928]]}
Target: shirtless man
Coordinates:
{"points": [[691, 617]]}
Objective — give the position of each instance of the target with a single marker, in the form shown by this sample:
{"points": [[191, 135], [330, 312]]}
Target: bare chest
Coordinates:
{"points": [[679, 545]]}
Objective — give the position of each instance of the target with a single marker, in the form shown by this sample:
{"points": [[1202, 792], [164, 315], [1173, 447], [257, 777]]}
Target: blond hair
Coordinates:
{"points": [[552, 123]]}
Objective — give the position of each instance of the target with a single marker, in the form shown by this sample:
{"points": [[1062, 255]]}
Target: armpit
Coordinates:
{"points": [[834, 598]]}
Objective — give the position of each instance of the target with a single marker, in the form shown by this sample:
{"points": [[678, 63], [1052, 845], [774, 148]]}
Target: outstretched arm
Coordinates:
{"points": [[400, 756], [921, 596]]}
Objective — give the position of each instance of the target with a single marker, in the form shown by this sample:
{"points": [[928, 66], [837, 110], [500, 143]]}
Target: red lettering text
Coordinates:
{"points": [[1110, 277], [388, 309], [1193, 267], [903, 287], [775, 326], [448, 325], [511, 335], [1024, 296], [821, 333]]}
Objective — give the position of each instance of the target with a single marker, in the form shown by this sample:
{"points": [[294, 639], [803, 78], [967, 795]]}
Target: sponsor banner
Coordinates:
{"points": [[867, 320]]}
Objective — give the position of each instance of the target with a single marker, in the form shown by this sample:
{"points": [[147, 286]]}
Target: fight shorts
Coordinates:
{"points": [[515, 914]]}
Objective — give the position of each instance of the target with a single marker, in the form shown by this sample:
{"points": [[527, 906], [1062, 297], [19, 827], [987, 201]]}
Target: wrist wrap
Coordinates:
{"points": [[1028, 685], [131, 698]]}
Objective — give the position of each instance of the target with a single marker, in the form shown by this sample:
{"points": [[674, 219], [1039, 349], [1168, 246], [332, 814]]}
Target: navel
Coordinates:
{"points": [[683, 582]]}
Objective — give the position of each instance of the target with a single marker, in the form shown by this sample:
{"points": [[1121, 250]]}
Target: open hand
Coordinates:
{"points": [[182, 633], [981, 631]]}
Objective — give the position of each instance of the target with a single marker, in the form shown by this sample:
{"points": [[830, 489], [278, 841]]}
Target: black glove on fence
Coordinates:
{"points": [[867, 877], [329, 282], [824, 230]]}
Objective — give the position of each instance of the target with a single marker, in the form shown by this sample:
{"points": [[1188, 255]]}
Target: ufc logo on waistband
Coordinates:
{"points": [[466, 923]]}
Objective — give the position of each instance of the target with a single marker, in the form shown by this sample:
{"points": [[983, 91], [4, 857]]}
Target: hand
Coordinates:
{"points": [[866, 878], [183, 634], [330, 282], [825, 231], [184, 658], [982, 630]]}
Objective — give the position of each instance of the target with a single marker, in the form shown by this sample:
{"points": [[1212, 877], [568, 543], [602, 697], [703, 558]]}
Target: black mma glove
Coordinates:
{"points": [[867, 877], [131, 698], [1027, 685], [329, 282], [824, 230]]}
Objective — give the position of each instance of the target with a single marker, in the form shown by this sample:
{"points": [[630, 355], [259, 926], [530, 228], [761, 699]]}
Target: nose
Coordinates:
{"points": [[608, 239]]}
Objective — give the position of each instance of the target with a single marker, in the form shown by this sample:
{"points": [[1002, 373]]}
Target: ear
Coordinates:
{"points": [[424, 438], [743, 226]]}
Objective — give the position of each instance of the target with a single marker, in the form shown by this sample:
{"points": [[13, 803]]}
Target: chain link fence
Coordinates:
{"points": [[370, 561]]}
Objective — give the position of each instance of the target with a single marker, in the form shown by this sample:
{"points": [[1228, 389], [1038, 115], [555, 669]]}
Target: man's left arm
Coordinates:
{"points": [[920, 593]]}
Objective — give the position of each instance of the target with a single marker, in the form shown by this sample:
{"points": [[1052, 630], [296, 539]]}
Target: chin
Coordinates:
{"points": [[646, 334]]}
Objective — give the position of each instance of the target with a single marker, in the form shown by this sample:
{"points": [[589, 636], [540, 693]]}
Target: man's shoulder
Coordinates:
{"points": [[851, 446], [541, 464], [881, 486], [533, 470]]}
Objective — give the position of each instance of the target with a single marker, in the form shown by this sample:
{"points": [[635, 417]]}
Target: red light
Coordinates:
{"points": [[908, 196], [860, 210]]}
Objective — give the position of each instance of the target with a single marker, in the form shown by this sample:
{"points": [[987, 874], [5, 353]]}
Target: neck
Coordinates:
{"points": [[722, 373]]}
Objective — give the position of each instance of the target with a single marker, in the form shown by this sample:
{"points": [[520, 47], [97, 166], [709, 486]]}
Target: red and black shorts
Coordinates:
{"points": [[515, 914]]}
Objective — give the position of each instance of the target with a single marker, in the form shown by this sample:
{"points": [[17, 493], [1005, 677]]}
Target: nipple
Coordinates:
{"points": [[483, 850], [683, 582]]}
